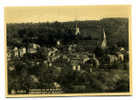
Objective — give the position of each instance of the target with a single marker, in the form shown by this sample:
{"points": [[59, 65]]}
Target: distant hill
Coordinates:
{"points": [[116, 30]]}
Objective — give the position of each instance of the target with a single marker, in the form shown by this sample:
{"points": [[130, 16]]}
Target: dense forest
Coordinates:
{"points": [[39, 70]]}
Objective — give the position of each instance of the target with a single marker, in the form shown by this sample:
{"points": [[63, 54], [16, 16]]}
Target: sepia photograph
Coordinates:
{"points": [[68, 50]]}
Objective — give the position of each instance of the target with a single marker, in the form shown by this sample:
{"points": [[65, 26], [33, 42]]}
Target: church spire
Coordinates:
{"points": [[104, 42], [77, 32]]}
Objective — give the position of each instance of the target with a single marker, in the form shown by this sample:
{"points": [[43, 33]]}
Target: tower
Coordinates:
{"points": [[104, 42], [77, 32]]}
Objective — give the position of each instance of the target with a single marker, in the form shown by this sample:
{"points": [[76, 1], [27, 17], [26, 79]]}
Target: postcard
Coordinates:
{"points": [[68, 50]]}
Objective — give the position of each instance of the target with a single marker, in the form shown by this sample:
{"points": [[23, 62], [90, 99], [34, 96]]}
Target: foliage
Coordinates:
{"points": [[115, 79]]}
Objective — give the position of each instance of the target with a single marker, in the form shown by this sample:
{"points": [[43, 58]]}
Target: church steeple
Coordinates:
{"points": [[104, 42], [77, 32]]}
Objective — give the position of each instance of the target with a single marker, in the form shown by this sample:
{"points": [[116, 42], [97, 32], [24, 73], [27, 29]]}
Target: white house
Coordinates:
{"points": [[16, 53], [22, 51], [33, 48], [120, 56]]}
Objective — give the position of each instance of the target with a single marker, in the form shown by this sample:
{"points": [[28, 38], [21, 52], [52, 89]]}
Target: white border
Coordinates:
{"points": [[4, 3]]}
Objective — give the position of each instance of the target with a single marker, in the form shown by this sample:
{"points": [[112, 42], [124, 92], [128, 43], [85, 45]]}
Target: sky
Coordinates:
{"points": [[64, 13]]}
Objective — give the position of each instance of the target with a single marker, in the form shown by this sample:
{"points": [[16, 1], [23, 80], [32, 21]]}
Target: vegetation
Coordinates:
{"points": [[37, 71]]}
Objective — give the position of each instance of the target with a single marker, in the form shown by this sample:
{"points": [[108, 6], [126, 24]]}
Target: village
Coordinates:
{"points": [[73, 54], [77, 56]]}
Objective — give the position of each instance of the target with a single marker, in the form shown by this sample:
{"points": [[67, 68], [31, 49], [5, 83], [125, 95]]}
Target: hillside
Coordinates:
{"points": [[51, 58], [116, 30]]}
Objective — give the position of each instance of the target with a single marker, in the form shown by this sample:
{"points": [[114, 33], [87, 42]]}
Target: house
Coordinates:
{"points": [[33, 47], [52, 51], [75, 61], [111, 58], [22, 51], [120, 56], [19, 52], [16, 53], [122, 49], [76, 68], [11, 68]]}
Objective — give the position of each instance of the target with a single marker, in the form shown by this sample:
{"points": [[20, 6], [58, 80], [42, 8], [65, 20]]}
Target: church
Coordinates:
{"points": [[104, 42]]}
